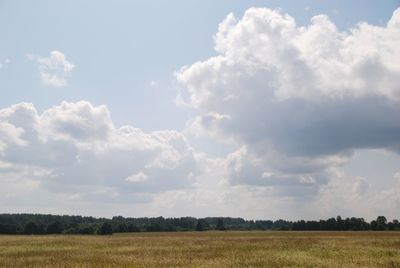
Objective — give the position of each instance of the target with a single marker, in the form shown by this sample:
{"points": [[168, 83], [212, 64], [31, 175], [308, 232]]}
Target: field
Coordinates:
{"points": [[205, 249]]}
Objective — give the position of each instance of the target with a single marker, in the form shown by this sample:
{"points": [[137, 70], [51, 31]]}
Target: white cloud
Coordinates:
{"points": [[75, 150], [297, 101], [9, 134], [138, 177], [54, 69], [80, 121]]}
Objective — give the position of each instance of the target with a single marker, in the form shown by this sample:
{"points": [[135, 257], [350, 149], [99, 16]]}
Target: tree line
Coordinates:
{"points": [[57, 224]]}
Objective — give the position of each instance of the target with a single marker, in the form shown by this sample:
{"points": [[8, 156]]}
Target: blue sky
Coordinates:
{"points": [[128, 55]]}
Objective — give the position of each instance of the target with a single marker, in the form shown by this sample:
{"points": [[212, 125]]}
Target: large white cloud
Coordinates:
{"points": [[297, 100], [75, 149]]}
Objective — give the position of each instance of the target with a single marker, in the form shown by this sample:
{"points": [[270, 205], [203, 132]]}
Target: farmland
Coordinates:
{"points": [[204, 249]]}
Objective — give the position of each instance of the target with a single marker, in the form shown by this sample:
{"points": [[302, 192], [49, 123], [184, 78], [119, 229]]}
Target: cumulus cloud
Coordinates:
{"points": [[297, 101], [79, 121], [54, 69], [75, 149]]}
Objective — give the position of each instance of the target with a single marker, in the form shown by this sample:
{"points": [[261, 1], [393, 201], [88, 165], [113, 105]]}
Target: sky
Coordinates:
{"points": [[254, 109]]}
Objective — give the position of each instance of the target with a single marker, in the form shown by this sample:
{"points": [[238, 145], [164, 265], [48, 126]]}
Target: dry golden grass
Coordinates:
{"points": [[206, 249]]}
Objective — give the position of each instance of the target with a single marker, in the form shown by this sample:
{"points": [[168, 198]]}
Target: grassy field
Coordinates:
{"points": [[205, 249]]}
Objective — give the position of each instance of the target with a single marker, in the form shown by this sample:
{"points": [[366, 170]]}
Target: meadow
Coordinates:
{"points": [[204, 249]]}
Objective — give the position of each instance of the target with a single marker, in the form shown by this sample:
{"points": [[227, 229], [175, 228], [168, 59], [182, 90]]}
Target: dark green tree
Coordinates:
{"points": [[105, 229], [381, 223], [220, 224], [121, 228], [133, 228], [86, 229], [55, 228], [202, 225], [8, 228], [31, 228], [339, 223], [374, 225]]}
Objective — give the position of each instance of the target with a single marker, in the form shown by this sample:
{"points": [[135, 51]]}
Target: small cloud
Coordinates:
{"points": [[307, 9], [153, 83], [267, 174], [55, 69], [138, 177]]}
